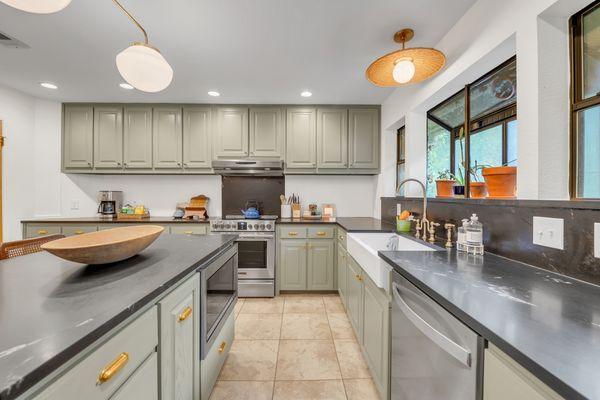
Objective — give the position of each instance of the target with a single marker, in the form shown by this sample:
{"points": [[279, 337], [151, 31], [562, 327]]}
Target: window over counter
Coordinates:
{"points": [[400, 159], [472, 131], [585, 103]]}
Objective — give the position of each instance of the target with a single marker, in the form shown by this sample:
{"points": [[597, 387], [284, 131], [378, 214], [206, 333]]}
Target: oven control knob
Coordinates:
{"points": [[269, 227], [249, 227], [255, 226], [262, 227]]}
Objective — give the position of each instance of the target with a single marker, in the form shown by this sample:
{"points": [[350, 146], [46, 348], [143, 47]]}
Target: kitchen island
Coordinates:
{"points": [[52, 311]]}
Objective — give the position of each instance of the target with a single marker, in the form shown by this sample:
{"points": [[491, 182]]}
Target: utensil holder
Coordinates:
{"points": [[286, 211], [296, 211]]}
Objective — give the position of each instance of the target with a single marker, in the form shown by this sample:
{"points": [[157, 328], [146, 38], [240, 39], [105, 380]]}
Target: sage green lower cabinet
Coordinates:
{"points": [[143, 384], [342, 270], [355, 295], [376, 334], [211, 366], [320, 265], [504, 378], [180, 342], [293, 257], [78, 229]]}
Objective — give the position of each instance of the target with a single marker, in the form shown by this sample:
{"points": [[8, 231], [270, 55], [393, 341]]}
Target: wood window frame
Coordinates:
{"points": [[502, 116], [400, 143], [577, 102]]}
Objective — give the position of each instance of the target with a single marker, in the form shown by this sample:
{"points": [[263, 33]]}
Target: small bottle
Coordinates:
{"points": [[474, 231], [462, 232]]}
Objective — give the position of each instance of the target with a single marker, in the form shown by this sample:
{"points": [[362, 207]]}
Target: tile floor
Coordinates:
{"points": [[299, 347]]}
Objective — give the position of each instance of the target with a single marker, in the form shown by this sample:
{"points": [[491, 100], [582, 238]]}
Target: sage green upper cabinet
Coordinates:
{"points": [[332, 138], [78, 140], [364, 138], [137, 132], [197, 152], [266, 132], [231, 132], [301, 138], [108, 137], [320, 265], [168, 137]]}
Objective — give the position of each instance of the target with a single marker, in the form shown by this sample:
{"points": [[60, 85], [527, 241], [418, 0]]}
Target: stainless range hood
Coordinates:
{"points": [[248, 167]]}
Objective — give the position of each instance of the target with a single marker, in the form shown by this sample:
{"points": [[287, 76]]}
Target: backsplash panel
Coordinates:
{"points": [[237, 190], [508, 229]]}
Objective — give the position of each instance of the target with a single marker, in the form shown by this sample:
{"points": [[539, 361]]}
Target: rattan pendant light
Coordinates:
{"points": [[405, 66]]}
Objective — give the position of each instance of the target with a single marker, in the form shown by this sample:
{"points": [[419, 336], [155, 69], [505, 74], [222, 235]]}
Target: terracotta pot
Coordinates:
{"points": [[444, 187], [477, 190], [501, 181]]}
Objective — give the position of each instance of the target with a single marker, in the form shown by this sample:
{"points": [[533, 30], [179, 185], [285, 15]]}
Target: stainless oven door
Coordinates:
{"points": [[256, 255]]}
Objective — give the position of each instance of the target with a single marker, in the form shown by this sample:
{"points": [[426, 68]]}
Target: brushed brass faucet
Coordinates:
{"points": [[422, 224]]}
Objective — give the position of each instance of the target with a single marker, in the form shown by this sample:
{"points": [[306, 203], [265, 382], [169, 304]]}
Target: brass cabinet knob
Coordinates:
{"points": [[79, 232], [292, 233], [185, 314], [321, 233], [188, 232], [111, 369], [222, 346], [42, 232]]}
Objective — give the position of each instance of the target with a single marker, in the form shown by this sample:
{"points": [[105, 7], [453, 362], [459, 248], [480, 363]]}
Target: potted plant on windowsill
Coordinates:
{"points": [[444, 184], [477, 189], [501, 181]]}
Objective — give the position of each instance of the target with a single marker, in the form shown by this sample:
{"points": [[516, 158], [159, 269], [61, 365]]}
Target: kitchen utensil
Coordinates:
{"points": [[107, 246], [286, 211], [251, 211], [282, 198]]}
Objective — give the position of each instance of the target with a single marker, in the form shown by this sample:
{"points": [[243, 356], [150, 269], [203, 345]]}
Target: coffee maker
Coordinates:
{"points": [[110, 202]]}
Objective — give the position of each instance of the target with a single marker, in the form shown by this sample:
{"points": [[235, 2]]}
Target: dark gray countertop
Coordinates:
{"points": [[350, 224], [51, 309], [547, 322], [97, 220]]}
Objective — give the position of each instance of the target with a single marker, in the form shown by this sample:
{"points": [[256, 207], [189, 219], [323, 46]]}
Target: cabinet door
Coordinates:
{"points": [[332, 138], [266, 132], [341, 272], [167, 140], [301, 138], [108, 137], [137, 132], [142, 384], [293, 264], [376, 316], [179, 342], [364, 138], [320, 265], [78, 140], [196, 137], [354, 305], [231, 132]]}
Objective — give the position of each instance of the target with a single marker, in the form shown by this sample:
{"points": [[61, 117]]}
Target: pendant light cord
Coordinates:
{"points": [[133, 20]]}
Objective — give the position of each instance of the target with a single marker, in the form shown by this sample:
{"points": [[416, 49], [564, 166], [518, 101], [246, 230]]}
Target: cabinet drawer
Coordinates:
{"points": [[42, 230], [321, 232], [143, 384], [189, 229], [292, 232], [210, 367], [124, 352], [70, 230], [342, 237]]}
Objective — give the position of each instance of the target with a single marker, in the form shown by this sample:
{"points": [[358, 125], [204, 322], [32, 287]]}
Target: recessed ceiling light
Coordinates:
{"points": [[126, 85], [306, 93], [214, 94], [48, 85]]}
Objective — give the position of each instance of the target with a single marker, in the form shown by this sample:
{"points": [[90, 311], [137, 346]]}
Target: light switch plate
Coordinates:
{"points": [[398, 209], [74, 204], [597, 239], [549, 232]]}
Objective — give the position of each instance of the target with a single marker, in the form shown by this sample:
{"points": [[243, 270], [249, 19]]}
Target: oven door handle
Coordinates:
{"points": [[242, 236]]}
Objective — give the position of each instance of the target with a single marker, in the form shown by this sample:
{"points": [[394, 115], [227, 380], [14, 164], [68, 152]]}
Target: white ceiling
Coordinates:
{"points": [[251, 51]]}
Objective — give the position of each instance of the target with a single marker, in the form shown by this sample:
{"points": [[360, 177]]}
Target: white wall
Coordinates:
{"points": [[488, 34]]}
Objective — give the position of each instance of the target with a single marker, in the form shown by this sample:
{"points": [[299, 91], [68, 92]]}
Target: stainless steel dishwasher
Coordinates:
{"points": [[434, 355]]}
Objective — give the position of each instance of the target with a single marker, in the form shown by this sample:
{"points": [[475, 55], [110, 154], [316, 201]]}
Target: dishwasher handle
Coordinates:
{"points": [[449, 346]]}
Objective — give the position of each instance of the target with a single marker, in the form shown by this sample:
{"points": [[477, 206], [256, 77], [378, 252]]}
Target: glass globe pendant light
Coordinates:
{"points": [[142, 65], [405, 66], [38, 6]]}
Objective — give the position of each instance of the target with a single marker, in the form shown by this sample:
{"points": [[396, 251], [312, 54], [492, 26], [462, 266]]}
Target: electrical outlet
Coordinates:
{"points": [[398, 209], [549, 232], [597, 240], [74, 204]]}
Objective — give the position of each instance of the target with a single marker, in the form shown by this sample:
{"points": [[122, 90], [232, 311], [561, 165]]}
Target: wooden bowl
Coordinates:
{"points": [[107, 246]]}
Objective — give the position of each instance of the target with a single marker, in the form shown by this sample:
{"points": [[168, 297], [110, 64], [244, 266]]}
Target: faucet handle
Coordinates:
{"points": [[418, 227], [432, 226], [449, 227]]}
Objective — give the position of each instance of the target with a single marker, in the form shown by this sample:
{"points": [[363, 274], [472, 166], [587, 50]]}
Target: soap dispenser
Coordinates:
{"points": [[474, 231], [462, 232]]}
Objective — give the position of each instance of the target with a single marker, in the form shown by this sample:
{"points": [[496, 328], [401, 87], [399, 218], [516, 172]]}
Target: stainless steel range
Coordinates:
{"points": [[256, 252]]}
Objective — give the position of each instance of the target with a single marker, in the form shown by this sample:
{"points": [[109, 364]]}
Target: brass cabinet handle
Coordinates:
{"points": [[79, 232], [292, 233], [185, 314], [222, 347], [188, 232], [321, 233], [358, 277], [42, 232], [341, 237], [111, 369]]}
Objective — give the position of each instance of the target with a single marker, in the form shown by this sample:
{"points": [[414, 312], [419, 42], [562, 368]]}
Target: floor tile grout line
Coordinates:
{"points": [[278, 347], [336, 355]]}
